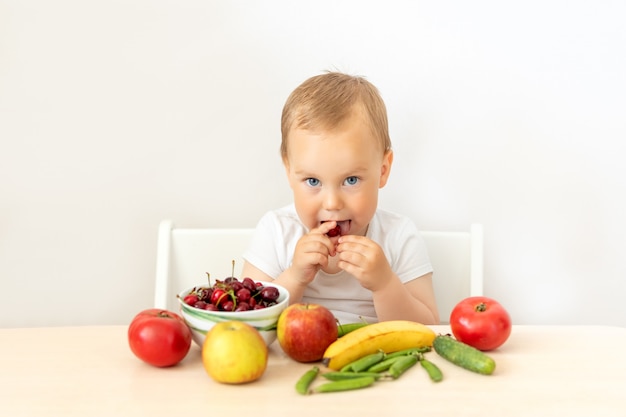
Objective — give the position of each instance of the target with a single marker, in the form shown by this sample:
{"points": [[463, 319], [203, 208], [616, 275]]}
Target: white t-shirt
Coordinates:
{"points": [[278, 231]]}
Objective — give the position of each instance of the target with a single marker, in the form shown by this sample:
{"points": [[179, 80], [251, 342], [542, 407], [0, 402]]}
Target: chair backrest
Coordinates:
{"points": [[457, 260], [184, 256]]}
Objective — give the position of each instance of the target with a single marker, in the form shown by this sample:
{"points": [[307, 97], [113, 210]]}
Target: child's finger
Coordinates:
{"points": [[325, 227]]}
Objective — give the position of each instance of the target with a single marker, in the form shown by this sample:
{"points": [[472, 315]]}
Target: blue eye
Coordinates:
{"points": [[313, 182], [351, 181]]}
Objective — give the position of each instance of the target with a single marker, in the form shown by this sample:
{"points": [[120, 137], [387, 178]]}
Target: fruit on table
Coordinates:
{"points": [[231, 294], [305, 330], [480, 322], [388, 336], [234, 352], [159, 337], [463, 355]]}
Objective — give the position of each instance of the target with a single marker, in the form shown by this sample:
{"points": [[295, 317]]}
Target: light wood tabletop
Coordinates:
{"points": [[90, 371]]}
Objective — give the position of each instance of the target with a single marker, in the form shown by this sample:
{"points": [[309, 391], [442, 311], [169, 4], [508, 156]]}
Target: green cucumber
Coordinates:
{"points": [[463, 355]]}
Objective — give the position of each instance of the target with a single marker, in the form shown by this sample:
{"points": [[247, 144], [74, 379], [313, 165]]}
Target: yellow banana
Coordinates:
{"points": [[388, 336]]}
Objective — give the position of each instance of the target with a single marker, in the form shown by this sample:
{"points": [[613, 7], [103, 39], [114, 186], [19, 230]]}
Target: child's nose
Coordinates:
{"points": [[332, 200]]}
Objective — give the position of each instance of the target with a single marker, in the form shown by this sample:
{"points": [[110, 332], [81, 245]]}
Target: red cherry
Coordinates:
{"points": [[269, 294], [336, 231], [218, 296], [233, 295], [191, 299], [242, 307], [243, 295], [249, 284], [203, 293]]}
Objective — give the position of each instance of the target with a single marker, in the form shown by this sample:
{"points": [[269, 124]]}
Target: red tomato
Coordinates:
{"points": [[159, 337], [480, 322]]}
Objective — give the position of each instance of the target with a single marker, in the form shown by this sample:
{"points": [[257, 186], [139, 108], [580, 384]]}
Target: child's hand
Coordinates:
{"points": [[365, 259], [312, 252]]}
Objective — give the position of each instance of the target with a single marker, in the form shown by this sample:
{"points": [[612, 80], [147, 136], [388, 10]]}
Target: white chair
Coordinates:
{"points": [[184, 256], [457, 260]]}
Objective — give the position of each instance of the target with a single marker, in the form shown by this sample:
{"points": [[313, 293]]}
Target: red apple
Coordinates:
{"points": [[304, 331]]}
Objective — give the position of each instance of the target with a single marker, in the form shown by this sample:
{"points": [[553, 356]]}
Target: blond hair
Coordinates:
{"points": [[324, 101]]}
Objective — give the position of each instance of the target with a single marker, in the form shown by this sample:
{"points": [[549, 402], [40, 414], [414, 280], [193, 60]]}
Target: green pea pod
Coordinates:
{"points": [[409, 351], [402, 365], [433, 370], [344, 329], [345, 385], [305, 381], [365, 362], [383, 365], [340, 376]]}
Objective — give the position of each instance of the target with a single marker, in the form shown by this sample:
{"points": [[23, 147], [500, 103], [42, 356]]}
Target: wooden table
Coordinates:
{"points": [[90, 371]]}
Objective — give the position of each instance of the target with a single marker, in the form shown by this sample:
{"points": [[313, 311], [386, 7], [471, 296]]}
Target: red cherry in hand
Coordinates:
{"points": [[336, 231]]}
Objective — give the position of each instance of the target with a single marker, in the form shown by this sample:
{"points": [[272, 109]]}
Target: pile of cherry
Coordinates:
{"points": [[233, 295]]}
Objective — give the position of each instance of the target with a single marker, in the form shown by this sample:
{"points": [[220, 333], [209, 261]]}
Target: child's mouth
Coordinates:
{"points": [[342, 228]]}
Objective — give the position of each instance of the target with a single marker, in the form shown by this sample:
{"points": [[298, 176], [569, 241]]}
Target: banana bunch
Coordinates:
{"points": [[386, 336]]}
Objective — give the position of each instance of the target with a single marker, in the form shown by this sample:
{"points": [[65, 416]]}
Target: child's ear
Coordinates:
{"points": [[385, 168]]}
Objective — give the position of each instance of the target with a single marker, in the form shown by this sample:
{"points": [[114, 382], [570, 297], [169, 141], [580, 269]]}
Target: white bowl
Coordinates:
{"points": [[264, 320]]}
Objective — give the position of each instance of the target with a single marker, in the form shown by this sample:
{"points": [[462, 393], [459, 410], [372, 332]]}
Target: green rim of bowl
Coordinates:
{"points": [[218, 318]]}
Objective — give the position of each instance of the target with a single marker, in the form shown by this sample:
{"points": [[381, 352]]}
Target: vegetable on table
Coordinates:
{"points": [[463, 355], [480, 322]]}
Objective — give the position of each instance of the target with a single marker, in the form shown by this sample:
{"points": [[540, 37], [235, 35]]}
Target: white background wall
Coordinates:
{"points": [[117, 114]]}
